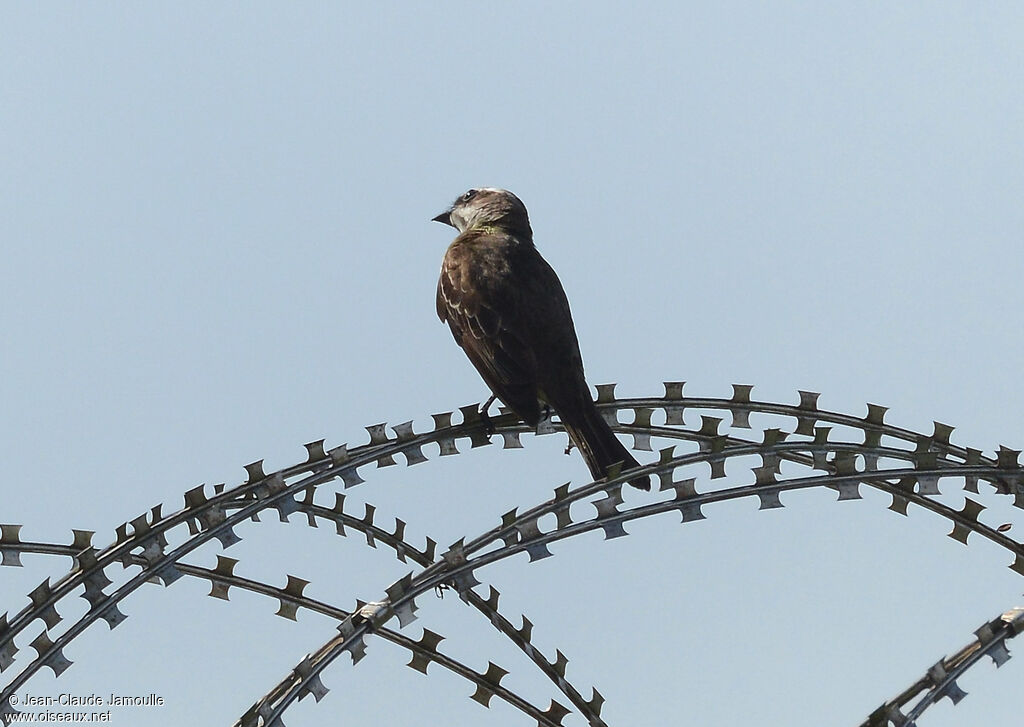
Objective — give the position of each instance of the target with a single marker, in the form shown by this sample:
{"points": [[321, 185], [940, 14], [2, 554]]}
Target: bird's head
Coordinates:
{"points": [[487, 207]]}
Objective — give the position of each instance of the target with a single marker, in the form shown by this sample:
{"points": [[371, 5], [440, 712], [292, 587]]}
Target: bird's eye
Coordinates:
{"points": [[469, 195]]}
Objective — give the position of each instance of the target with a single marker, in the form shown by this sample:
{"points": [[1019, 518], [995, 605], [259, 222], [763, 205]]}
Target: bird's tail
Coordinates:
{"points": [[599, 446]]}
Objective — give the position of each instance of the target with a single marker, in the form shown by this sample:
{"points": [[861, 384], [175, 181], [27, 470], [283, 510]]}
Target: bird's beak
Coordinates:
{"points": [[444, 218]]}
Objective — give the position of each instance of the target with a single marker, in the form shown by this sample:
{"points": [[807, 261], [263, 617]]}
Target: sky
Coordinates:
{"points": [[215, 221]]}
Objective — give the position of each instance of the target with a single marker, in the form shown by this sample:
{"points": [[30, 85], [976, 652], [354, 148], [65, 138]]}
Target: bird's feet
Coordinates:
{"points": [[486, 418], [569, 446], [440, 588]]}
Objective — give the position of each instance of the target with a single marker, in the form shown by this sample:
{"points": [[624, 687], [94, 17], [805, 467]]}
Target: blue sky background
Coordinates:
{"points": [[217, 247]]}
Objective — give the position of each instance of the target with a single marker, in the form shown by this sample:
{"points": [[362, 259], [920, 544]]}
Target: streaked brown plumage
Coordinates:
{"points": [[506, 308]]}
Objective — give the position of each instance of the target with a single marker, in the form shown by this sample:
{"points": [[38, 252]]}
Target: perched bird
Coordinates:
{"points": [[507, 310]]}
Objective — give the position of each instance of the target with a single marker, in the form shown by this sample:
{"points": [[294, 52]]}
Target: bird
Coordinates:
{"points": [[506, 308]]}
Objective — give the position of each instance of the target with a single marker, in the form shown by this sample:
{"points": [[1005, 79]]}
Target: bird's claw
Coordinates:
{"points": [[487, 422], [486, 418]]}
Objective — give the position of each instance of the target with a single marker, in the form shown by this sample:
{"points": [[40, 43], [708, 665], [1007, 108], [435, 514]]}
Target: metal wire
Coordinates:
{"points": [[907, 465]]}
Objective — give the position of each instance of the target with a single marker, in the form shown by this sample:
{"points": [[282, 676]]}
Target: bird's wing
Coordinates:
{"points": [[486, 314]]}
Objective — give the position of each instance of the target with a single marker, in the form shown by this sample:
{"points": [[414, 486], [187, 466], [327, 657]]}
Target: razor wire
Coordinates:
{"points": [[940, 679], [844, 466], [291, 598]]}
